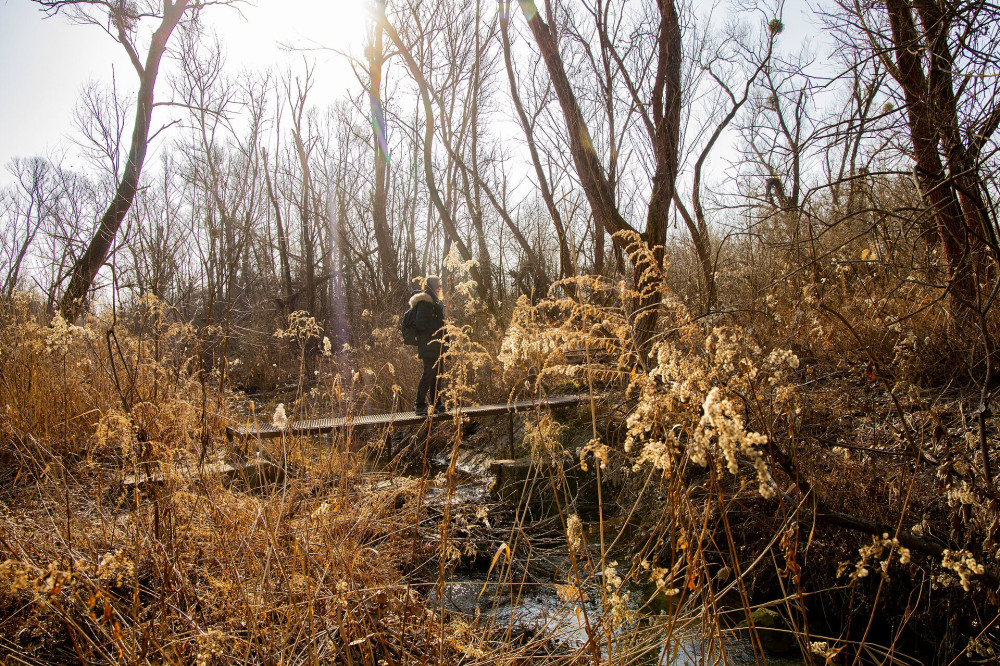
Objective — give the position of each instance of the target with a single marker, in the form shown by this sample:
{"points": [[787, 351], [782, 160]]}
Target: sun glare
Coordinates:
{"points": [[260, 36]]}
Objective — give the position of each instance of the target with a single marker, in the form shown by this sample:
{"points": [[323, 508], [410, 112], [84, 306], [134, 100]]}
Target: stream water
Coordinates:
{"points": [[539, 611], [533, 606]]}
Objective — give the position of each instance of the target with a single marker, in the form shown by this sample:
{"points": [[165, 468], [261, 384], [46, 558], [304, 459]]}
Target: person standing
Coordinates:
{"points": [[428, 320]]}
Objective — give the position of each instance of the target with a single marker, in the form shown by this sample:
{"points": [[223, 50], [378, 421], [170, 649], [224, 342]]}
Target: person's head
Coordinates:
{"points": [[433, 285]]}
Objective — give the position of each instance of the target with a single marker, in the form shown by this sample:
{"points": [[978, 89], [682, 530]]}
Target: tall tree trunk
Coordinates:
{"points": [[286, 271], [342, 305], [666, 105], [413, 259], [380, 216], [447, 221], [596, 186], [305, 215], [565, 258], [86, 268], [474, 200], [941, 90], [664, 136], [924, 135]]}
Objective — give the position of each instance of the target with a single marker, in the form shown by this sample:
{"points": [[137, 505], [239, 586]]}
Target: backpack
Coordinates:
{"points": [[408, 328]]}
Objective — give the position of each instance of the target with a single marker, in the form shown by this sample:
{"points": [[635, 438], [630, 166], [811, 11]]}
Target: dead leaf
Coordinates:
{"points": [[570, 593]]}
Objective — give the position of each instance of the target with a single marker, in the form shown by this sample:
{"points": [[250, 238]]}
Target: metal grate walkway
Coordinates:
{"points": [[321, 426]]}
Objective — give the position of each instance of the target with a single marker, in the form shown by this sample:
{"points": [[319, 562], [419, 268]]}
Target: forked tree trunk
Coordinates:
{"points": [[447, 220], [86, 268], [665, 106], [957, 232], [565, 258]]}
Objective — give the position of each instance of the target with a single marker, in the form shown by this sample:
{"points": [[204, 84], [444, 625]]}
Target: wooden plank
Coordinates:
{"points": [[321, 426], [255, 471]]}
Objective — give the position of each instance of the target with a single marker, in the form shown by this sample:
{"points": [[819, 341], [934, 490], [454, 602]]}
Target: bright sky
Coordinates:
{"points": [[44, 63]]}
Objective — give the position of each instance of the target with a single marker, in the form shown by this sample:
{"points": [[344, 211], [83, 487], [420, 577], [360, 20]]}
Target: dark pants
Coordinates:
{"points": [[428, 382]]}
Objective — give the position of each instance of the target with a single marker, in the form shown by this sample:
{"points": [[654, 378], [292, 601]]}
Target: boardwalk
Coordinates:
{"points": [[321, 426]]}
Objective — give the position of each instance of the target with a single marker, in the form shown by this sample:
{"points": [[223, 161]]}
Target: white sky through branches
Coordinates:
{"points": [[45, 63]]}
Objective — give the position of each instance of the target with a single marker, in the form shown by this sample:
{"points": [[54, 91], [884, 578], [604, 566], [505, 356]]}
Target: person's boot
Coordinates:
{"points": [[439, 407], [420, 409]]}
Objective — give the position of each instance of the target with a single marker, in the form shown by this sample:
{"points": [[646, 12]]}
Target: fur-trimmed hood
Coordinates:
{"points": [[421, 297]]}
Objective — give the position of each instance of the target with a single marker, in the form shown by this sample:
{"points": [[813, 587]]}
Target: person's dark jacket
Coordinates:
{"points": [[429, 321]]}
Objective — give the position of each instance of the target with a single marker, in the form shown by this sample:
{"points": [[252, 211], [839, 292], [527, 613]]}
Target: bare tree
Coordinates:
{"points": [[658, 104], [28, 206], [725, 64], [303, 151], [287, 299], [154, 240], [943, 58], [375, 55], [527, 127], [444, 212], [122, 21]]}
